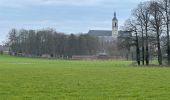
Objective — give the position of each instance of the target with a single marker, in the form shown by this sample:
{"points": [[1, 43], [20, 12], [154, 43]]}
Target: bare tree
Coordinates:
{"points": [[145, 20], [138, 14], [157, 23], [13, 41], [166, 14], [131, 25]]}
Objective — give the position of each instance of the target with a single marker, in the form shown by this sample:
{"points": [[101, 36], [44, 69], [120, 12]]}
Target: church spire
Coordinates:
{"points": [[114, 18], [114, 14]]}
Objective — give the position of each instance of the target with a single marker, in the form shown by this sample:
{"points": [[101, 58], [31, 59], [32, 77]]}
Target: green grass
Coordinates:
{"points": [[40, 79]]}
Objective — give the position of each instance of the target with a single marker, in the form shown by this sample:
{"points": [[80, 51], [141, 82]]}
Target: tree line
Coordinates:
{"points": [[150, 24], [47, 41]]}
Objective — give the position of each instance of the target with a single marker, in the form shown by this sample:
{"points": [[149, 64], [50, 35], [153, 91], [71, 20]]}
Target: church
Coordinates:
{"points": [[109, 39], [110, 35]]}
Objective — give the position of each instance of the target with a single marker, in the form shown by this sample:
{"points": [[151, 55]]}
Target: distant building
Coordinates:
{"points": [[110, 35], [104, 35], [110, 38]]}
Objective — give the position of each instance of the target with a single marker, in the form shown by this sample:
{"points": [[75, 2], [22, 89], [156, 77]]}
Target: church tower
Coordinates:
{"points": [[114, 26]]}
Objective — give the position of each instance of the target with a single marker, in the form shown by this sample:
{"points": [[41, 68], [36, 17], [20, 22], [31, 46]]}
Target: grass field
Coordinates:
{"points": [[40, 79]]}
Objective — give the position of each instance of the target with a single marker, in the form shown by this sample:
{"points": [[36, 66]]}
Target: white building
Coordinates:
{"points": [[110, 35], [110, 38]]}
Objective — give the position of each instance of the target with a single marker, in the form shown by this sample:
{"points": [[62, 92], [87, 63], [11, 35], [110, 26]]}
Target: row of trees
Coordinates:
{"points": [[150, 24], [48, 41]]}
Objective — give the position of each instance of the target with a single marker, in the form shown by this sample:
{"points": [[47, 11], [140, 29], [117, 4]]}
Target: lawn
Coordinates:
{"points": [[42, 79]]}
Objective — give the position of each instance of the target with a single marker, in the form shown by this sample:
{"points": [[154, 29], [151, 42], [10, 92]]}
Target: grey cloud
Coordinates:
{"points": [[22, 3]]}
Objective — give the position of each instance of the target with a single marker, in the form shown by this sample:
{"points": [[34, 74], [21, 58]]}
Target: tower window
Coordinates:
{"points": [[115, 24]]}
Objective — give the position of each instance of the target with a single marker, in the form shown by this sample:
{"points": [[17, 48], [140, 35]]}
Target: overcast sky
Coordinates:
{"points": [[69, 16]]}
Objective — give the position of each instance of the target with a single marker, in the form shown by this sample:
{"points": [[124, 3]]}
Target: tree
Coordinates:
{"points": [[139, 15], [145, 20], [13, 41], [166, 8], [131, 25], [157, 23], [72, 45]]}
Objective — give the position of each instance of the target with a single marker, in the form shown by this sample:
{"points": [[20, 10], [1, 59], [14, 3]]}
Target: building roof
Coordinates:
{"points": [[100, 32], [108, 33]]}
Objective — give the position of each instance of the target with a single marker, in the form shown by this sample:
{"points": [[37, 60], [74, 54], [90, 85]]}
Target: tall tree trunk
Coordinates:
{"points": [[159, 48], [167, 26], [168, 45], [143, 49], [137, 50], [147, 46]]}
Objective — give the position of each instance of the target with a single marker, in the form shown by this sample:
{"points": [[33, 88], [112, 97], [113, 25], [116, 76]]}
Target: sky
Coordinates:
{"points": [[68, 16]]}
